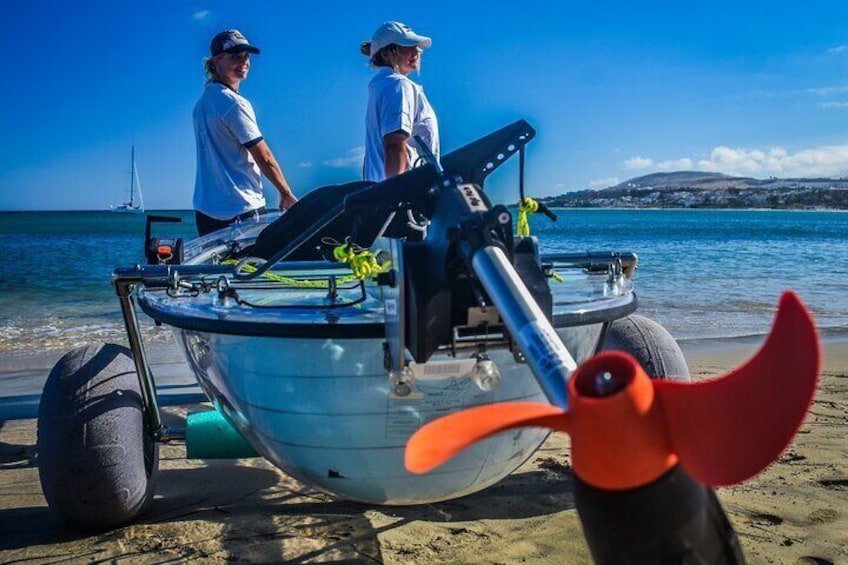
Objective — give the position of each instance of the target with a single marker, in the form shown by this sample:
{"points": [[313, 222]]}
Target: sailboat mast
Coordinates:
{"points": [[132, 176]]}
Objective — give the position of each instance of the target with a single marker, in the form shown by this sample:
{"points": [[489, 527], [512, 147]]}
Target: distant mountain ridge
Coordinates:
{"points": [[698, 189], [692, 179]]}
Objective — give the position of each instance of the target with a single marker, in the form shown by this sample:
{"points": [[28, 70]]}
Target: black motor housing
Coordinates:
{"points": [[675, 519], [440, 284], [528, 264]]}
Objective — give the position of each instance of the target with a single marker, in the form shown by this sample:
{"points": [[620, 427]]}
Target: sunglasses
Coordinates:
{"points": [[240, 56]]}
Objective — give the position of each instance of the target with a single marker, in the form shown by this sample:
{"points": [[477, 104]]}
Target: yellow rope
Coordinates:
{"points": [[299, 283], [362, 263], [527, 206]]}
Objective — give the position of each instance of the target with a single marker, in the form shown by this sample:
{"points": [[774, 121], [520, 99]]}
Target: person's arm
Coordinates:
{"points": [[272, 171], [395, 159]]}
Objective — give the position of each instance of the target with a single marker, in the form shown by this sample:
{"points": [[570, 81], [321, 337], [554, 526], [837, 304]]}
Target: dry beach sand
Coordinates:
{"points": [[247, 511]]}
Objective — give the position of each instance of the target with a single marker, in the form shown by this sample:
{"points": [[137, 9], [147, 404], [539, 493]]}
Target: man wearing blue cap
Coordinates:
{"points": [[231, 152]]}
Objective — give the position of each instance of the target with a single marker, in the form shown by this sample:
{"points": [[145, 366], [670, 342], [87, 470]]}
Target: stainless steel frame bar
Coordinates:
{"points": [[537, 339], [124, 287]]}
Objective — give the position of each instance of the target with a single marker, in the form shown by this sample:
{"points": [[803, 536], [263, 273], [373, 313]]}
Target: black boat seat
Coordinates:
{"points": [[362, 227], [471, 163], [302, 217]]}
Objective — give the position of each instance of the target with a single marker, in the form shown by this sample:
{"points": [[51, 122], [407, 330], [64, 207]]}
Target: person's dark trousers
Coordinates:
{"points": [[207, 224]]}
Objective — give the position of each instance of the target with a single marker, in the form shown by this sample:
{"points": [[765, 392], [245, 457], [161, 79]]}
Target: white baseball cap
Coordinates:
{"points": [[396, 33]]}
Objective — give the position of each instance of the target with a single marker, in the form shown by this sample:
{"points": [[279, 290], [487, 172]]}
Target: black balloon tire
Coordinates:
{"points": [[96, 462], [652, 346]]}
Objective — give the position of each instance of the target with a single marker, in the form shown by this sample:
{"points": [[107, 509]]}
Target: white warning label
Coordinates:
{"points": [[391, 307]]}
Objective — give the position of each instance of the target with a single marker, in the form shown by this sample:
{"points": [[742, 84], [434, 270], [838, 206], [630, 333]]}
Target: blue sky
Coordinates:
{"points": [[615, 90]]}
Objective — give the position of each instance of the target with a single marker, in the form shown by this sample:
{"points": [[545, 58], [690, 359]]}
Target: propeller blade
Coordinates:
{"points": [[729, 429], [441, 439]]}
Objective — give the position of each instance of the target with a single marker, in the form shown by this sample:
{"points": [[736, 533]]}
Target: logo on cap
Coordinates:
{"points": [[231, 41]]}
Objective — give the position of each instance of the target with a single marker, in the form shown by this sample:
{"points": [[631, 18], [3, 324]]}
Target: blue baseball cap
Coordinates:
{"points": [[231, 41]]}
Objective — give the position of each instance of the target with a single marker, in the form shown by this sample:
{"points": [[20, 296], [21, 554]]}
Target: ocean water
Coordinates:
{"points": [[55, 285], [702, 273], [719, 273]]}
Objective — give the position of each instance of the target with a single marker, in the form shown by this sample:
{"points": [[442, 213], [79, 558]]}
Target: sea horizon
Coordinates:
{"points": [[511, 205], [703, 273]]}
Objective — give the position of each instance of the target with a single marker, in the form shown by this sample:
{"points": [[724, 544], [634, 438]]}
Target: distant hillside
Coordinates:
{"points": [[696, 189], [691, 179]]}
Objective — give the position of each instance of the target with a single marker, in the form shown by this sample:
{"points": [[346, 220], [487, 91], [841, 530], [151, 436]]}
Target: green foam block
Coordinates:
{"points": [[210, 436]]}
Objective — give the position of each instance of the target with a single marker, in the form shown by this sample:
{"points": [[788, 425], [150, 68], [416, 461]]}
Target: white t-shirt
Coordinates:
{"points": [[395, 103], [228, 180]]}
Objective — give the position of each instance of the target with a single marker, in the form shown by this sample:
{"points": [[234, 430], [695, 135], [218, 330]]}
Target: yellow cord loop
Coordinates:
{"points": [[362, 263], [299, 283], [527, 206]]}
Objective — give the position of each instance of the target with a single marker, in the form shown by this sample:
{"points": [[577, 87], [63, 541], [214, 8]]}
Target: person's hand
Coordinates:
{"points": [[287, 201]]}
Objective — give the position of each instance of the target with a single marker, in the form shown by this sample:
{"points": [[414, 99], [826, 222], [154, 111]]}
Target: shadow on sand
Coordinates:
{"points": [[248, 510]]}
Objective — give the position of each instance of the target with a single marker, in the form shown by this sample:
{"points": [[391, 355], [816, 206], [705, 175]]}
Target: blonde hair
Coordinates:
{"points": [[209, 68], [385, 57]]}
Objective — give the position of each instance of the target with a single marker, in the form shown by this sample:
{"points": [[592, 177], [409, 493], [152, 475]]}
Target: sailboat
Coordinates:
{"points": [[135, 203]]}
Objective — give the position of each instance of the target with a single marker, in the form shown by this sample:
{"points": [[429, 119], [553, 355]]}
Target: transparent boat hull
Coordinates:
{"points": [[307, 386]]}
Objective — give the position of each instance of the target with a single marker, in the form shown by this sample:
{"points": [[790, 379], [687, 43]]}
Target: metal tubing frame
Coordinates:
{"points": [[537, 339], [152, 275], [124, 286], [125, 281], [628, 259]]}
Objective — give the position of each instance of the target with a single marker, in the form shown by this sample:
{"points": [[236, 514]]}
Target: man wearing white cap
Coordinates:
{"points": [[231, 152], [397, 107]]}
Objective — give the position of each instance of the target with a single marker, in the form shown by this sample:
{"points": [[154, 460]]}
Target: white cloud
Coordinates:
{"points": [[353, 158], [201, 14], [638, 163], [820, 161], [604, 183], [304, 164], [827, 161], [684, 164], [742, 161], [827, 90], [838, 49], [833, 105]]}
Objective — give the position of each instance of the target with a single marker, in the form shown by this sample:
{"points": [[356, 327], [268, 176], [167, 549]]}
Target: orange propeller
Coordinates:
{"points": [[721, 431]]}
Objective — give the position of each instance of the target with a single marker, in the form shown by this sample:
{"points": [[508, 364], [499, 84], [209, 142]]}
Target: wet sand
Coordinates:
{"points": [[248, 511]]}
